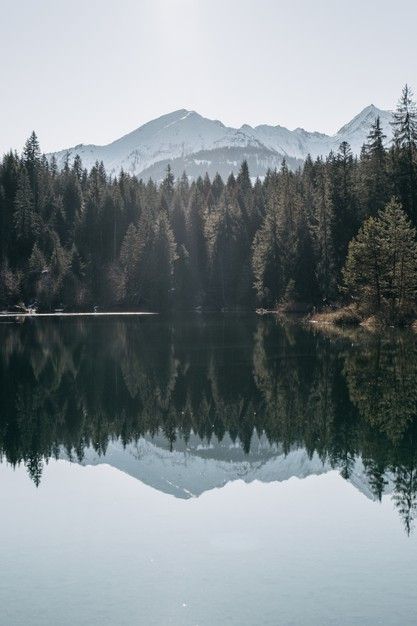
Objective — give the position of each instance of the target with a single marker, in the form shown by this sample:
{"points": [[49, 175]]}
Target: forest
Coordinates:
{"points": [[339, 230]]}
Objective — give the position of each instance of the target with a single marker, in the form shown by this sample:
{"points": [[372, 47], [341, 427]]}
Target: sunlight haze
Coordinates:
{"points": [[90, 72]]}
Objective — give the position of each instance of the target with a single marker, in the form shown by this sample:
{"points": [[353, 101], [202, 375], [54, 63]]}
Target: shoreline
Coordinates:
{"points": [[87, 314]]}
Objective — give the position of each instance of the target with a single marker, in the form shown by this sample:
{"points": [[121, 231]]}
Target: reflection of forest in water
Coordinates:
{"points": [[73, 384]]}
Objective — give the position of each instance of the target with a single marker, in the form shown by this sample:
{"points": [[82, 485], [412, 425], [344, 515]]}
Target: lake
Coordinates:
{"points": [[204, 470]]}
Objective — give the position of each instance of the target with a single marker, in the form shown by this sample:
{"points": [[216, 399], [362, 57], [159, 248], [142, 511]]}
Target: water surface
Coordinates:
{"points": [[206, 470]]}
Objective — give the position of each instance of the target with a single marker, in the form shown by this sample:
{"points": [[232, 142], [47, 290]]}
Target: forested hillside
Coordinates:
{"points": [[77, 239]]}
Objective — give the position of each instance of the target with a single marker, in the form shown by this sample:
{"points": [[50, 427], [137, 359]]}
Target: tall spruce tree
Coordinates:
{"points": [[322, 228], [404, 125], [374, 187], [26, 222], [345, 211], [197, 244], [267, 258]]}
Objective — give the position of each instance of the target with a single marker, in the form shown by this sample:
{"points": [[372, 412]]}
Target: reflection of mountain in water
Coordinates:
{"points": [[202, 400], [190, 470]]}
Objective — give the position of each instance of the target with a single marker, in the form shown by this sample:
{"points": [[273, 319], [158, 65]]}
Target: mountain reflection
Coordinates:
{"points": [[74, 386]]}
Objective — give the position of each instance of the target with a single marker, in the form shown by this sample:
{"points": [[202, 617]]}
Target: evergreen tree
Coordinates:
{"points": [[183, 297], [129, 259], [162, 266], [32, 161], [225, 237], [322, 229], [9, 180], [345, 212], [266, 259], [381, 266], [375, 184], [404, 121], [197, 245], [404, 125], [26, 222], [167, 190]]}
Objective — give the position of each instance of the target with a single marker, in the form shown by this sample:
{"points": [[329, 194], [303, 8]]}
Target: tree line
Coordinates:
{"points": [[76, 239]]}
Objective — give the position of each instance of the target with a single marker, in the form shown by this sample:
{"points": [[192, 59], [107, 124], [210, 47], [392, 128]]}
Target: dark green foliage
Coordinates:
{"points": [[381, 266], [404, 153], [78, 239], [375, 187]]}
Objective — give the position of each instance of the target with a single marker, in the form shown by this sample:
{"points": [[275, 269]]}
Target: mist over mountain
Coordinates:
{"points": [[194, 144]]}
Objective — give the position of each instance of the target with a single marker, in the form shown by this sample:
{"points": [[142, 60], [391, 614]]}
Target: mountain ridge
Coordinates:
{"points": [[192, 143]]}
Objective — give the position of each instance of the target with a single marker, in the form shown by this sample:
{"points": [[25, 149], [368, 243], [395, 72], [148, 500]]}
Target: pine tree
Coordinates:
{"points": [[304, 271], [178, 217], [197, 245], [225, 235], [36, 261], [404, 125], [129, 259], [162, 266], [217, 188], [266, 260], [167, 190], [72, 202], [245, 198], [345, 213], [381, 266], [374, 182], [322, 229], [183, 296], [9, 180], [32, 160], [404, 121], [26, 222], [111, 224]]}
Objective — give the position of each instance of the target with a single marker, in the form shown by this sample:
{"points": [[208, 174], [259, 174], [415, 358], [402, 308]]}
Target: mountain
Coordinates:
{"points": [[194, 144], [191, 469]]}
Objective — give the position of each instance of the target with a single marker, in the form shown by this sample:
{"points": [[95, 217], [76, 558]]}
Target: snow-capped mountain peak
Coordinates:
{"points": [[356, 131], [188, 141]]}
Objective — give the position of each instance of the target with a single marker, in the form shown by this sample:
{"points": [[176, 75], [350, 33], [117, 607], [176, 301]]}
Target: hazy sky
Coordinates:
{"points": [[80, 71]]}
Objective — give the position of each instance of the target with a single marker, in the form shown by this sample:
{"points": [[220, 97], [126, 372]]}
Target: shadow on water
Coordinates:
{"points": [[72, 385]]}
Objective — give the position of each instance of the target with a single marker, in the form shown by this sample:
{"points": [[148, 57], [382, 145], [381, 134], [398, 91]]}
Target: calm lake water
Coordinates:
{"points": [[206, 470]]}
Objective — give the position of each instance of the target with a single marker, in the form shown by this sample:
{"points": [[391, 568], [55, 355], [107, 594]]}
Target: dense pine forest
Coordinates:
{"points": [[339, 230]]}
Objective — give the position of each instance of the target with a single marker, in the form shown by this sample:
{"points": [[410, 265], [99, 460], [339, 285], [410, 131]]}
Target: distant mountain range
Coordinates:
{"points": [[193, 468], [194, 144]]}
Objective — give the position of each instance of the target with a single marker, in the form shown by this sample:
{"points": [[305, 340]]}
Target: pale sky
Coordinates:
{"points": [[78, 71]]}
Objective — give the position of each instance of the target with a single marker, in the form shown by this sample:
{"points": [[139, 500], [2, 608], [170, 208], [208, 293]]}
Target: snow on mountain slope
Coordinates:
{"points": [[354, 131], [188, 471], [296, 143], [197, 144], [299, 142], [170, 136]]}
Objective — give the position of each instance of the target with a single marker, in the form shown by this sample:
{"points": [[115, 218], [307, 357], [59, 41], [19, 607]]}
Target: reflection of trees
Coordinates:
{"points": [[382, 380], [68, 385], [405, 494], [284, 371], [404, 469]]}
